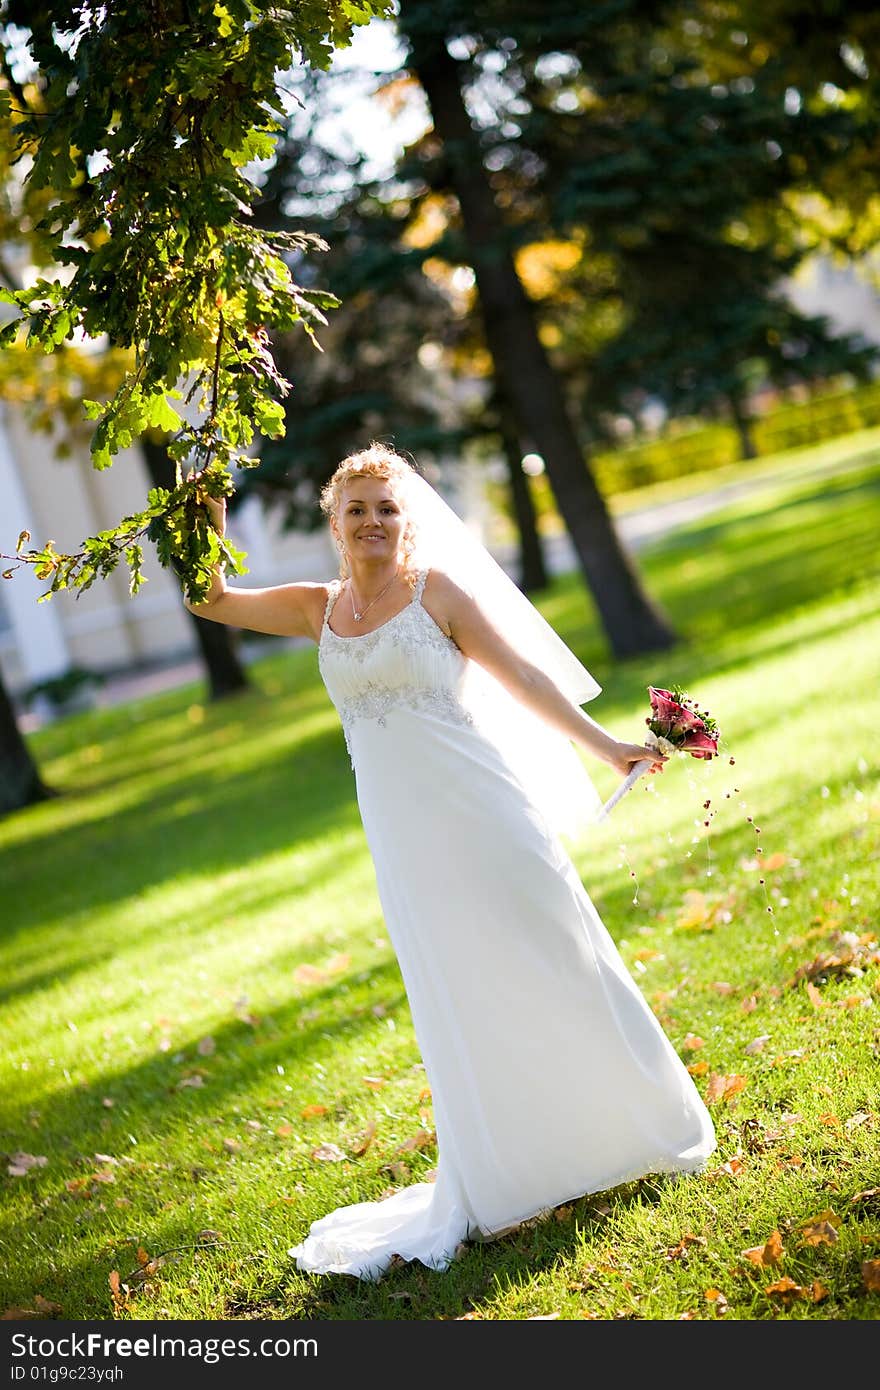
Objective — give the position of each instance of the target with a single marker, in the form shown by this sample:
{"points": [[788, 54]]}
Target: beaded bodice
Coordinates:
{"points": [[406, 662]]}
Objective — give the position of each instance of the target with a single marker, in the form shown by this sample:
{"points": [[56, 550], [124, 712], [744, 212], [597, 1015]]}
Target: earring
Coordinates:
{"points": [[407, 547], [343, 558]]}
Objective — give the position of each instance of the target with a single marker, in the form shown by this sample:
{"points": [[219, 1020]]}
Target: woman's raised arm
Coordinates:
{"points": [[284, 610]]}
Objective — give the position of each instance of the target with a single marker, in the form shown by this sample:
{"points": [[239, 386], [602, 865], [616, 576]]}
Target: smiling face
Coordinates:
{"points": [[370, 521]]}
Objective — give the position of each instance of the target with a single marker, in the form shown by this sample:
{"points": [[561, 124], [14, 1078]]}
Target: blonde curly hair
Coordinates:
{"points": [[376, 461]]}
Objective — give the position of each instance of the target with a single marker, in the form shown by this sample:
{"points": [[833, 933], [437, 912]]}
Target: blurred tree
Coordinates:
{"points": [[533, 567], [217, 642], [140, 122], [637, 169], [370, 378], [822, 61], [632, 623], [20, 780], [50, 387], [690, 161], [402, 356]]}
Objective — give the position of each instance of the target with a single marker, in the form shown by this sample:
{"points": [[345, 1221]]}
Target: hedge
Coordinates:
{"points": [[689, 448]]}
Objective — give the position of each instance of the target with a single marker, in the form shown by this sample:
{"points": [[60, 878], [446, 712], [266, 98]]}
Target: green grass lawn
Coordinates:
{"points": [[198, 991]]}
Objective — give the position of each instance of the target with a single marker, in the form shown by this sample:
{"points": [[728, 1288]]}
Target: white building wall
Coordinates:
{"points": [[32, 640], [104, 628]]}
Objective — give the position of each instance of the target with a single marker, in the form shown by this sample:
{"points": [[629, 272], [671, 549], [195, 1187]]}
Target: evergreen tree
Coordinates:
{"points": [[632, 623], [691, 159], [395, 311]]}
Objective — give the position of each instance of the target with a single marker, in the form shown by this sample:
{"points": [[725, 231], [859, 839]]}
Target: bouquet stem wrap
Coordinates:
{"points": [[638, 770]]}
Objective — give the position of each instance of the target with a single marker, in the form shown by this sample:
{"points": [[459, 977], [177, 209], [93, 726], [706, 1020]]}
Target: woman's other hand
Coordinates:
{"points": [[625, 755], [216, 509]]}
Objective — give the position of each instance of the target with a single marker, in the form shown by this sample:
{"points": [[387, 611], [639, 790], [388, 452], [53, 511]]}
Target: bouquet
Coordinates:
{"points": [[676, 724]]}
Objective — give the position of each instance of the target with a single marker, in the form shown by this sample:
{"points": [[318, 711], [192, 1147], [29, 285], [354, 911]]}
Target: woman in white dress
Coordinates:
{"points": [[550, 1076]]}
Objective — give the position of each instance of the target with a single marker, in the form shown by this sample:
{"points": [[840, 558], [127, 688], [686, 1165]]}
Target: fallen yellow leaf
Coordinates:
{"points": [[869, 1195], [361, 1142], [396, 1169], [871, 1275], [694, 912], [786, 1288], [309, 974], [821, 1229], [336, 964], [420, 1140], [722, 1087], [862, 1117], [770, 1253], [717, 1299], [675, 1252], [775, 861], [21, 1163], [734, 1167], [328, 1153]]}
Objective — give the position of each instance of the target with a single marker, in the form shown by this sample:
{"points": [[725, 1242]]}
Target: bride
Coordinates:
{"points": [[550, 1076]]}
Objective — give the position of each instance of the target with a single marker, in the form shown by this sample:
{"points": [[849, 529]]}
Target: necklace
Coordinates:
{"points": [[359, 615]]}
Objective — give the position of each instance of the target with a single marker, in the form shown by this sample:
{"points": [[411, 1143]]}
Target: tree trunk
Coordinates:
{"points": [[632, 623], [226, 675], [20, 781], [743, 422], [533, 570]]}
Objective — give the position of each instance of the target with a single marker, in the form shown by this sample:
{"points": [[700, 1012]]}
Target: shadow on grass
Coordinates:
{"points": [[766, 566], [207, 820], [26, 970], [405, 1293], [149, 1096], [412, 1292], [483, 1267]]}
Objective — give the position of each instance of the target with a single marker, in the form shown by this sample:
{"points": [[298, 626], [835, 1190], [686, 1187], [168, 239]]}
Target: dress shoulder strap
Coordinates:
{"points": [[419, 588], [333, 589]]}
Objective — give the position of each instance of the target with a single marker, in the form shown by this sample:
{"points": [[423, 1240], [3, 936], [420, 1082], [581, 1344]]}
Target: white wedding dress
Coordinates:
{"points": [[550, 1076]]}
